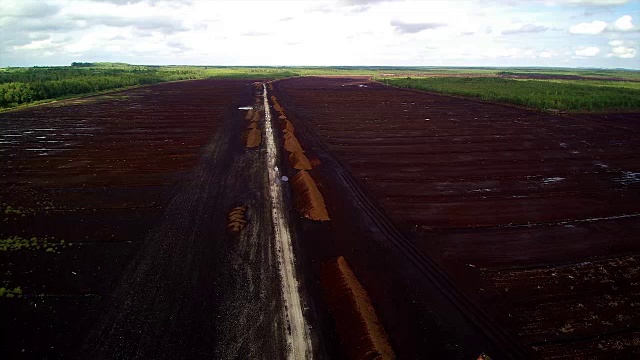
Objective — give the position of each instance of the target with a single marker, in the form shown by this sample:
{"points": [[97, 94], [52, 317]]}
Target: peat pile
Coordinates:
{"points": [[253, 134], [308, 198], [356, 320]]}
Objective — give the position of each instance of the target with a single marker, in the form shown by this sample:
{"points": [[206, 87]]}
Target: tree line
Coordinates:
{"points": [[21, 86]]}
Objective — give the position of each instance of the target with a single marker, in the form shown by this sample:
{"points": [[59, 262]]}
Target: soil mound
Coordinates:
{"points": [[288, 126], [357, 324], [249, 114], [237, 221], [282, 117], [291, 143], [309, 200], [254, 138], [299, 161]]}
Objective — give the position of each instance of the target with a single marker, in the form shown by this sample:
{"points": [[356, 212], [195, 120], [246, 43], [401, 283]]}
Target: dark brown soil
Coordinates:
{"points": [[471, 227], [104, 173], [425, 314], [534, 216]]}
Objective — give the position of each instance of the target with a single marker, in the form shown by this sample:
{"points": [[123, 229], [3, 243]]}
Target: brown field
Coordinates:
{"points": [[534, 216], [95, 173], [138, 224]]}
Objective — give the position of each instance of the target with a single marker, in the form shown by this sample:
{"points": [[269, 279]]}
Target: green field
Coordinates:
{"points": [[566, 95], [25, 86]]}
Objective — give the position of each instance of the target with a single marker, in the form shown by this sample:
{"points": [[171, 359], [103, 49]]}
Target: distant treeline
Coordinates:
{"points": [[82, 64], [20, 86], [25, 85], [572, 95]]}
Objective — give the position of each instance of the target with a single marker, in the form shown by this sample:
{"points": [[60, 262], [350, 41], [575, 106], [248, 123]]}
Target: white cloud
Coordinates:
{"points": [[37, 45], [525, 29], [588, 28], [624, 23], [599, 2], [322, 32], [545, 54], [623, 52], [622, 49], [587, 51]]}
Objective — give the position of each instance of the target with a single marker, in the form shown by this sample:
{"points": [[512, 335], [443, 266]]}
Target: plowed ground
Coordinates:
{"points": [[535, 216], [97, 173]]}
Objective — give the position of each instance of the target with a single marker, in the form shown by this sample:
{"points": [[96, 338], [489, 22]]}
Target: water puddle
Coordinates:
{"points": [[552, 180], [629, 178]]}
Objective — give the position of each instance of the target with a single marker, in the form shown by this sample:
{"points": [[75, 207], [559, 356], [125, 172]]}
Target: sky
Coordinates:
{"points": [[559, 33]]}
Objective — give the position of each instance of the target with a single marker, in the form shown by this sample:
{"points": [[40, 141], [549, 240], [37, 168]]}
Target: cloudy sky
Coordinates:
{"points": [[574, 33]]}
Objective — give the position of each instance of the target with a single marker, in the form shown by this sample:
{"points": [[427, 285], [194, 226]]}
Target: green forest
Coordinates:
{"points": [[569, 95], [26, 85]]}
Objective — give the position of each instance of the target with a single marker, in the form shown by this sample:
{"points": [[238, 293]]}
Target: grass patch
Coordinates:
{"points": [[11, 292], [17, 243], [567, 95]]}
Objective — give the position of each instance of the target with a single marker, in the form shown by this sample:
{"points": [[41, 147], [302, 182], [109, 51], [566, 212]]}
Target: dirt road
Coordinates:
{"points": [[297, 335]]}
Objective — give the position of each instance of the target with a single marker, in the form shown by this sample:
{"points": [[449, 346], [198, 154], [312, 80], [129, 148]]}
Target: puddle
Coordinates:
{"points": [[245, 108], [482, 190], [628, 178], [552, 180]]}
